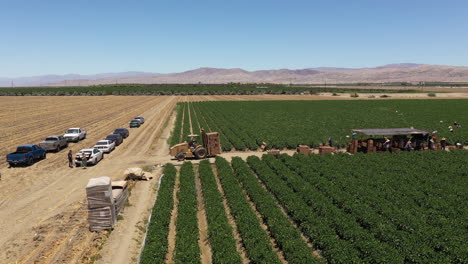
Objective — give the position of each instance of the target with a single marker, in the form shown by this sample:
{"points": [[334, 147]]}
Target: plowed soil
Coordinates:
{"points": [[43, 207]]}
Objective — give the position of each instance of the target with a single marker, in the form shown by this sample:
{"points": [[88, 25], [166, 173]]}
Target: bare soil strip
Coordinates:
{"points": [[190, 118], [205, 247], [235, 232]]}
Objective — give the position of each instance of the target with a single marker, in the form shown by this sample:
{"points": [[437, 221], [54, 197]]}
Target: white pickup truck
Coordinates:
{"points": [[75, 134]]}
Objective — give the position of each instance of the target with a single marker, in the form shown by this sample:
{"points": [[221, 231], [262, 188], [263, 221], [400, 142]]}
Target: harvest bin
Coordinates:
{"points": [[211, 142], [101, 208]]}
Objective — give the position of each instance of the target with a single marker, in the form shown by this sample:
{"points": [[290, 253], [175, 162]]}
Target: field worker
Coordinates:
{"points": [[431, 143], [408, 145], [443, 143], [330, 142], [386, 144], [70, 159], [84, 160]]}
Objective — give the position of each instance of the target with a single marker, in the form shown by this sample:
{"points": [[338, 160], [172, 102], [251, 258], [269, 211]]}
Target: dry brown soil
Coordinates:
{"points": [[43, 207]]}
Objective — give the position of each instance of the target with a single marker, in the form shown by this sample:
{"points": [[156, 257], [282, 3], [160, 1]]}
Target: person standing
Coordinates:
{"points": [[408, 145], [330, 142], [386, 144], [70, 159], [84, 160], [432, 143], [443, 143]]}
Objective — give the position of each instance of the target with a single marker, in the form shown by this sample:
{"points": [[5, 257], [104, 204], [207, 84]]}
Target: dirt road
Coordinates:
{"points": [[43, 207]]}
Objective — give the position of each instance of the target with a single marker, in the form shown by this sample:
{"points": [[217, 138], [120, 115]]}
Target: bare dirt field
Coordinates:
{"points": [[43, 207], [43, 217]]}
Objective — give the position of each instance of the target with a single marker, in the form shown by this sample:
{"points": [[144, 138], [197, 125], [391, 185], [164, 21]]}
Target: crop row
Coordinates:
{"points": [[245, 125], [254, 238], [187, 249], [405, 210], [375, 208], [177, 131], [156, 243], [220, 232], [371, 250], [287, 237]]}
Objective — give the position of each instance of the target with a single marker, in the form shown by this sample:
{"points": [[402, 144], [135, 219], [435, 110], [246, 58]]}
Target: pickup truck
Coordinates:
{"points": [[75, 134], [26, 154], [54, 143]]}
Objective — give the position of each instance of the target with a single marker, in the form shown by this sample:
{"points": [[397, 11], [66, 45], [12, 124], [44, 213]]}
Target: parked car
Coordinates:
{"points": [[142, 119], [93, 156], [75, 134], [116, 138], [122, 131], [26, 154], [135, 123], [105, 145], [54, 143]]}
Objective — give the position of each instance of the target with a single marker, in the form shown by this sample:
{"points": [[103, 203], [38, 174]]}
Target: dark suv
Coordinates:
{"points": [[117, 138], [122, 131], [142, 119]]}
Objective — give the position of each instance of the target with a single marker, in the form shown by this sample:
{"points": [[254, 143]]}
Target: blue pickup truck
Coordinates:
{"points": [[26, 154]]}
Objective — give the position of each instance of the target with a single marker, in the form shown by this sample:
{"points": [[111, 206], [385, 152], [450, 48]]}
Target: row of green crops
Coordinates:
{"points": [[177, 131], [287, 237], [375, 208], [187, 249], [408, 207], [403, 212], [286, 124], [181, 89], [220, 231], [254, 238], [156, 243]]}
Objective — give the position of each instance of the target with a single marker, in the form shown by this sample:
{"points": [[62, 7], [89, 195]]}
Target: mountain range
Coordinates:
{"points": [[403, 72]]}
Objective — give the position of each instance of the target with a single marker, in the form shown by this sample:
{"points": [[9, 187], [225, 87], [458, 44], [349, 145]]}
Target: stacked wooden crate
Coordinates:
{"points": [[101, 208]]}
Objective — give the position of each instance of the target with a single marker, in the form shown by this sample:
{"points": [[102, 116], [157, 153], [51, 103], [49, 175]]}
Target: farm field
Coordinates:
{"points": [[43, 215], [43, 207], [374, 208], [286, 124]]}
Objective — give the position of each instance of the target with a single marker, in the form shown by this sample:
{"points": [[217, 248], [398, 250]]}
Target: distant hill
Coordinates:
{"points": [[73, 78], [404, 72]]}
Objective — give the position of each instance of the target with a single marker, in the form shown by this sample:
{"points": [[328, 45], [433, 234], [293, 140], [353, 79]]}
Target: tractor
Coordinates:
{"points": [[192, 149]]}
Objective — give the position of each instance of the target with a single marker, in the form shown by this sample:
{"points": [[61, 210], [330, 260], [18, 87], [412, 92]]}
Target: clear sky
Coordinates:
{"points": [[96, 36]]}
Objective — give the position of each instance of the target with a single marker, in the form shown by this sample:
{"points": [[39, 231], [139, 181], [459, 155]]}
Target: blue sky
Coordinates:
{"points": [[86, 37]]}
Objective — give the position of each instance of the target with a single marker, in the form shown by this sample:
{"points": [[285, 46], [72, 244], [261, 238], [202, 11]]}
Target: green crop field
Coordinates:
{"points": [[286, 124], [363, 208]]}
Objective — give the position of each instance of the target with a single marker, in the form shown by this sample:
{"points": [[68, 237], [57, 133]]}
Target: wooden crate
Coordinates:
{"points": [[326, 150], [303, 149], [212, 143], [274, 152]]}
